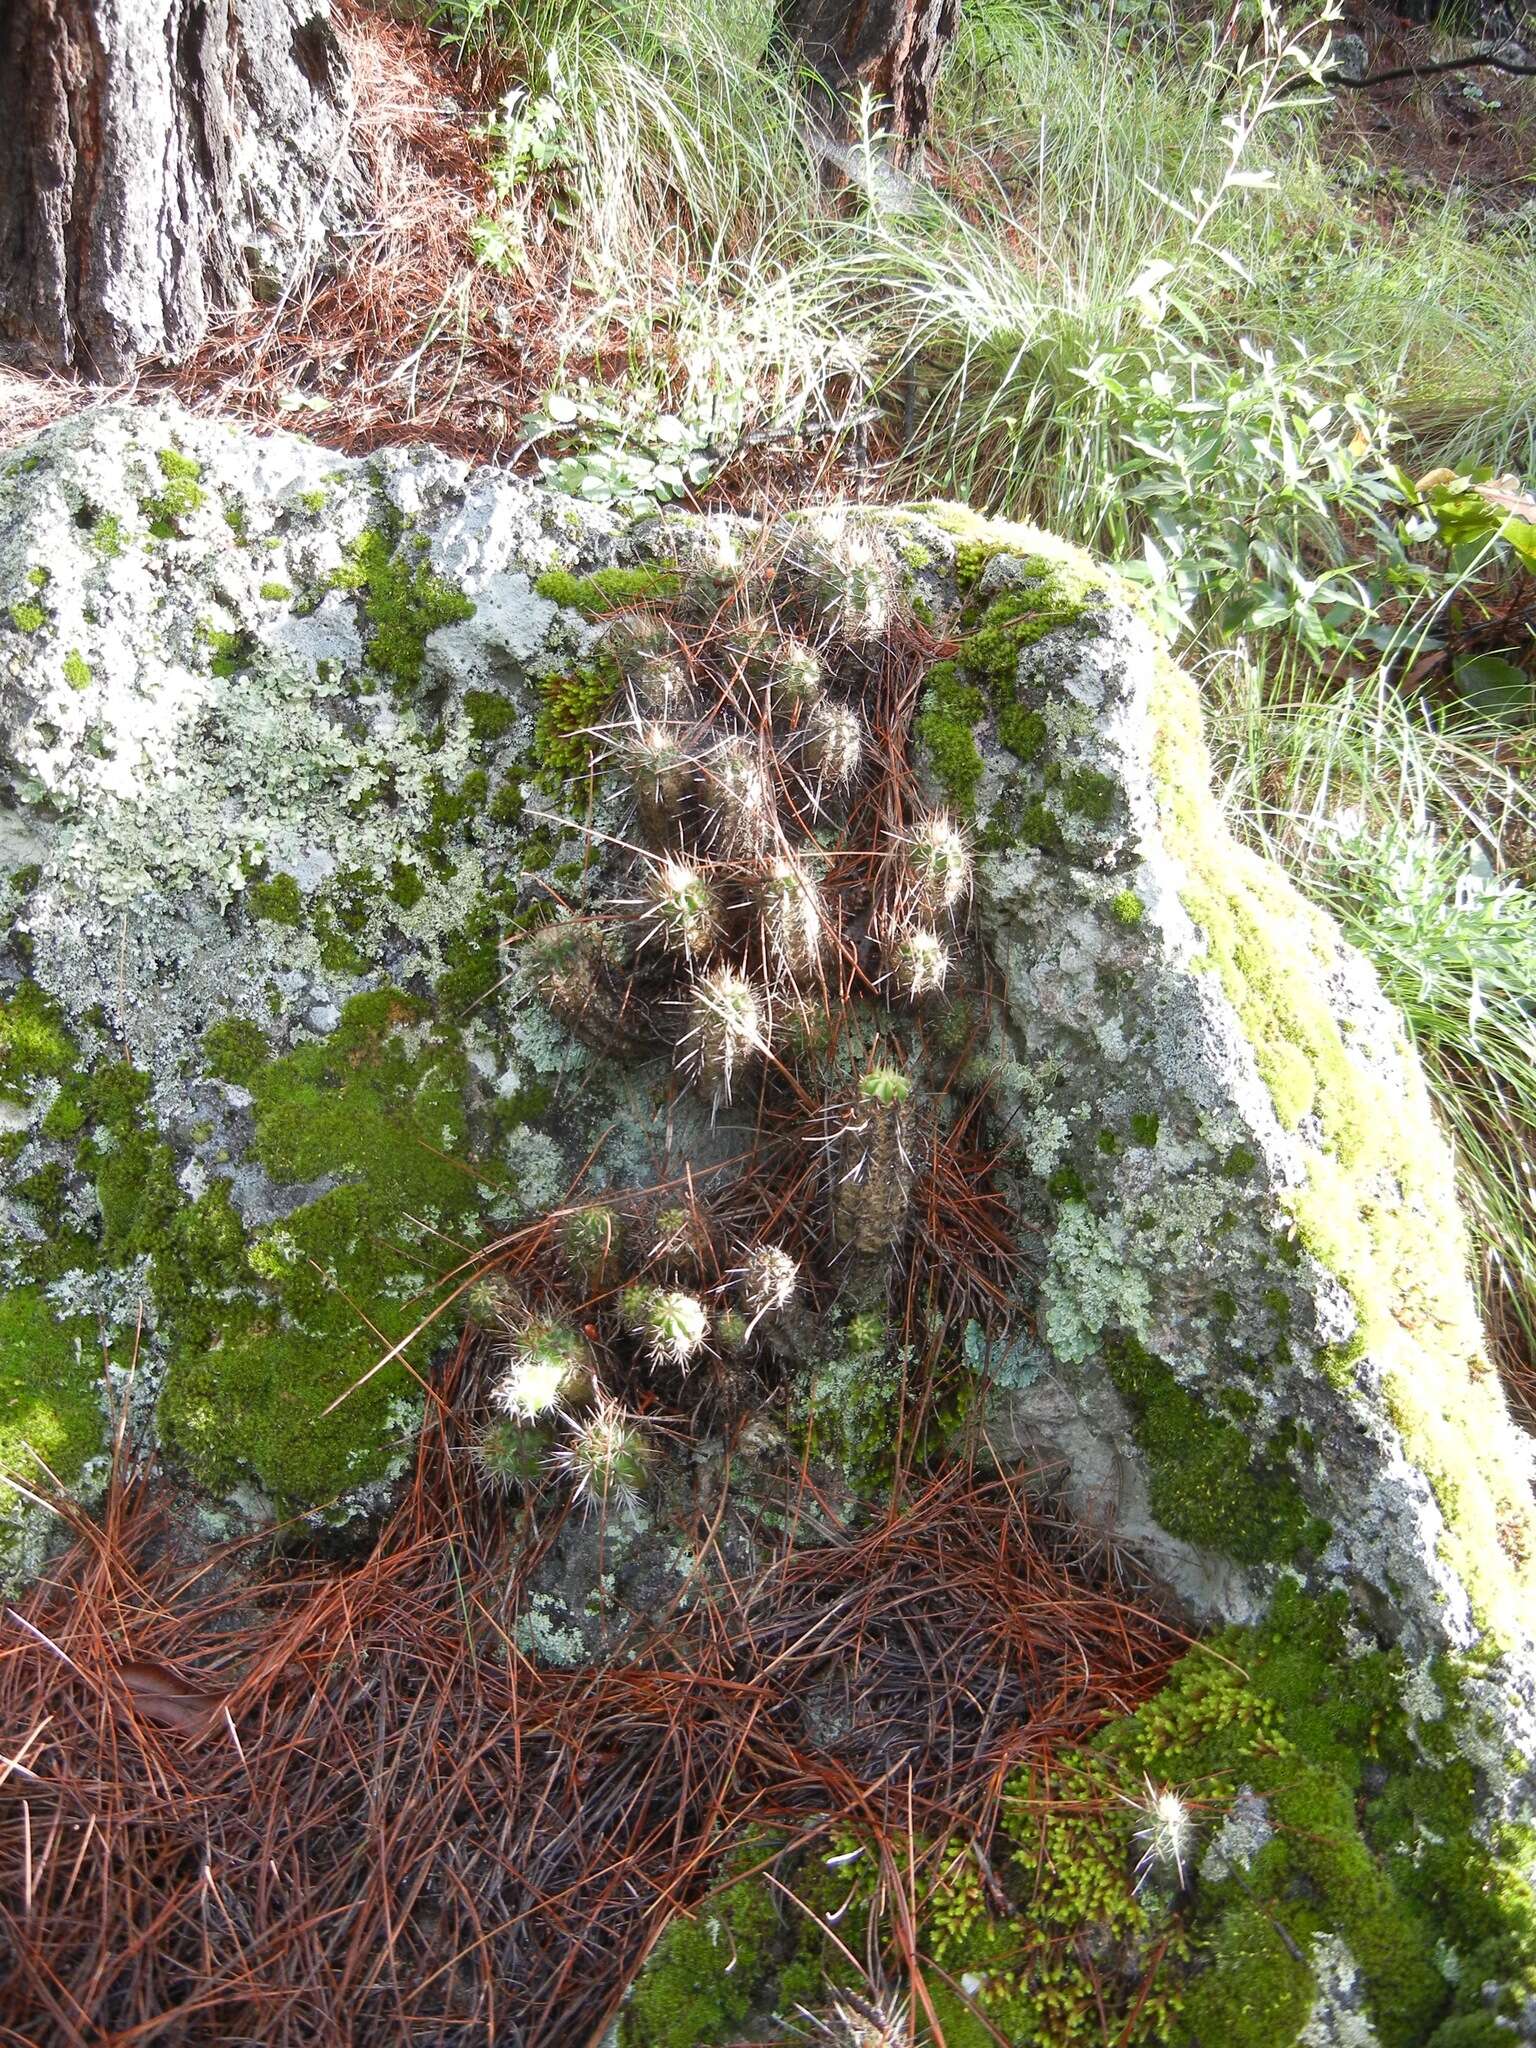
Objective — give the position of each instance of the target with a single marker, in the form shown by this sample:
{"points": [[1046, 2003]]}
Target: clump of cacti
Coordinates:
{"points": [[789, 904]]}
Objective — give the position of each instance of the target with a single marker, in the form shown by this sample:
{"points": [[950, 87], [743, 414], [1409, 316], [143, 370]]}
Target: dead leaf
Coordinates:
{"points": [[163, 1696]]}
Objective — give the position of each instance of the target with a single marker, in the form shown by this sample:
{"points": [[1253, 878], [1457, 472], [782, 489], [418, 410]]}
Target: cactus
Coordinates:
{"points": [[510, 1455], [662, 774], [871, 1169], [737, 802], [919, 962], [938, 865], [493, 1302], [605, 1455], [728, 1030], [833, 748], [1168, 1835], [684, 907], [794, 921], [571, 969], [548, 1368], [770, 1282], [676, 1327], [590, 1242], [794, 676]]}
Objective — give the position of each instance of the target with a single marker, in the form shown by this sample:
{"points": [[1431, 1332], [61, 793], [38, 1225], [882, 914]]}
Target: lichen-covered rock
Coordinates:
{"points": [[327, 793], [1254, 1277]]}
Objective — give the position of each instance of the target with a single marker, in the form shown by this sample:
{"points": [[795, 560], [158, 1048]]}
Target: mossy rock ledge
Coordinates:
{"points": [[290, 750]]}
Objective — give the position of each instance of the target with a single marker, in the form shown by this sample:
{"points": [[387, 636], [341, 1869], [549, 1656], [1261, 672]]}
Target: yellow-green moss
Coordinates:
{"points": [[608, 590], [107, 538], [403, 603], [234, 1048], [1379, 1205], [277, 900], [34, 1043], [572, 705], [182, 495], [27, 616]]}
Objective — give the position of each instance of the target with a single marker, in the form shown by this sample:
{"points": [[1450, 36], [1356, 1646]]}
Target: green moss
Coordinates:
{"points": [[77, 670], [945, 727], [1127, 908], [313, 502], [107, 537], [1205, 1484], [1088, 794], [703, 1975], [562, 744], [1067, 1185], [183, 495], [847, 1411], [34, 1043], [26, 616], [406, 886], [233, 1049], [39, 577], [609, 590], [377, 1107], [51, 1417], [276, 593], [475, 962], [277, 900], [403, 604], [491, 716], [1021, 731], [1239, 1162], [1145, 1126]]}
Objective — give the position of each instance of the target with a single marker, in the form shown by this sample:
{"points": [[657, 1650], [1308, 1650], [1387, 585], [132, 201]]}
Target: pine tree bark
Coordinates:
{"points": [[159, 161], [892, 46]]}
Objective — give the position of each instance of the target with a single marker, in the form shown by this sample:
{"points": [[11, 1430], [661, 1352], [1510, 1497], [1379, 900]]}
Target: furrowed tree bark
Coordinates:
{"points": [[892, 46], [159, 161]]}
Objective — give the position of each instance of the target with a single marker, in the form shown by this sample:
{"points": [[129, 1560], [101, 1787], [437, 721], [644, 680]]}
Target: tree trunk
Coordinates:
{"points": [[159, 160], [892, 46]]}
